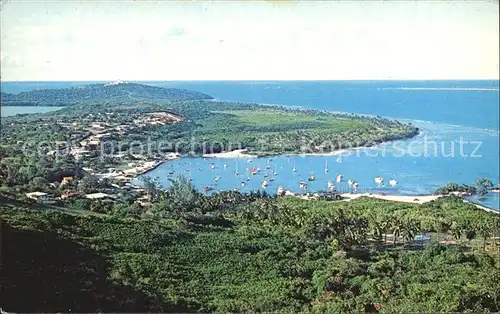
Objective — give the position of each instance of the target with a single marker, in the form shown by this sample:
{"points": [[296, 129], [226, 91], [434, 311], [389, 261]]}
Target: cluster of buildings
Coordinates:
{"points": [[86, 137]]}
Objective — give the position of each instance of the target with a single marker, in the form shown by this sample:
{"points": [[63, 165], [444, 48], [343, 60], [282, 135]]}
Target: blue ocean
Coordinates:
{"points": [[459, 139]]}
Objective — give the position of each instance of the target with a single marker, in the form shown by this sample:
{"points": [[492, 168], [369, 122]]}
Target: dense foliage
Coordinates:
{"points": [[233, 252], [123, 92]]}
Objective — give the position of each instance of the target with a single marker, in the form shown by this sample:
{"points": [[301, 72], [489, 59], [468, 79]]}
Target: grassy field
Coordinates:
{"points": [[290, 120]]}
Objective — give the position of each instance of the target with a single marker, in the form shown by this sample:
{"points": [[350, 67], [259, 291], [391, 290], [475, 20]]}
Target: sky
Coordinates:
{"points": [[250, 40]]}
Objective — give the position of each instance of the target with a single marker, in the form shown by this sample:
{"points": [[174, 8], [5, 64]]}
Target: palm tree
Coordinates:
{"points": [[395, 229]]}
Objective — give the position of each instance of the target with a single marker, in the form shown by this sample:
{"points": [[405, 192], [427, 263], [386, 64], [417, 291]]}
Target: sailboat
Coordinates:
{"points": [[326, 166], [236, 173], [294, 169], [339, 178], [331, 186], [379, 180], [303, 185], [393, 182], [268, 165], [217, 179], [264, 184], [254, 170], [350, 182], [275, 172], [225, 165]]}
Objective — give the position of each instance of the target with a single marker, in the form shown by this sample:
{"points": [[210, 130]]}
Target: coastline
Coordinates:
{"points": [[237, 153], [412, 199]]}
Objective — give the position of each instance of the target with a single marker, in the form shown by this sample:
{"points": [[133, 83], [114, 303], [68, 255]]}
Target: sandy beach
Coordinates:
{"points": [[420, 199], [238, 153]]}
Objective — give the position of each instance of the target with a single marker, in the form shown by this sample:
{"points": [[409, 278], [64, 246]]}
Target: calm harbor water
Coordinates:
{"points": [[446, 111]]}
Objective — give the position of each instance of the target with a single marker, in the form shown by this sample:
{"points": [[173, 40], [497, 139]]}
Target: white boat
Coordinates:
{"points": [[225, 165], [264, 184], [280, 190], [340, 178], [326, 166], [393, 182], [249, 160], [303, 184], [350, 182], [379, 180], [275, 172], [339, 160], [212, 166], [217, 179]]}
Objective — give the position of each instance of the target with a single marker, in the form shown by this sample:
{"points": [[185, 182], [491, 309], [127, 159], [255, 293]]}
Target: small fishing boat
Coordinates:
{"points": [[265, 176], [326, 166], [379, 180], [225, 165], [311, 177], [212, 166], [249, 160], [243, 183], [248, 178], [275, 172], [350, 182], [235, 189], [393, 182], [303, 185], [217, 179], [271, 179], [339, 160], [254, 171], [265, 184]]}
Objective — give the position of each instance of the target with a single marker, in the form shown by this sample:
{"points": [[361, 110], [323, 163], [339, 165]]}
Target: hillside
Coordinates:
{"points": [[243, 253], [122, 92]]}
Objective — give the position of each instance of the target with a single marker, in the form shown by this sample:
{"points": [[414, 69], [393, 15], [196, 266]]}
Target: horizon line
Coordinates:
{"points": [[253, 80]]}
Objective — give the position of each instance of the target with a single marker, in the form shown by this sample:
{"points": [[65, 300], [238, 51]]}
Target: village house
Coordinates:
{"points": [[99, 196], [40, 197]]}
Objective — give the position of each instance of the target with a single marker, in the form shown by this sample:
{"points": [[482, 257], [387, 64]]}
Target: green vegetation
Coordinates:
{"points": [[210, 126], [455, 187], [94, 93], [233, 253], [481, 187]]}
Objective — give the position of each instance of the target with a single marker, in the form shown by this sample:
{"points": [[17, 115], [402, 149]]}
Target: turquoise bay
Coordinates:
{"points": [[445, 111]]}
